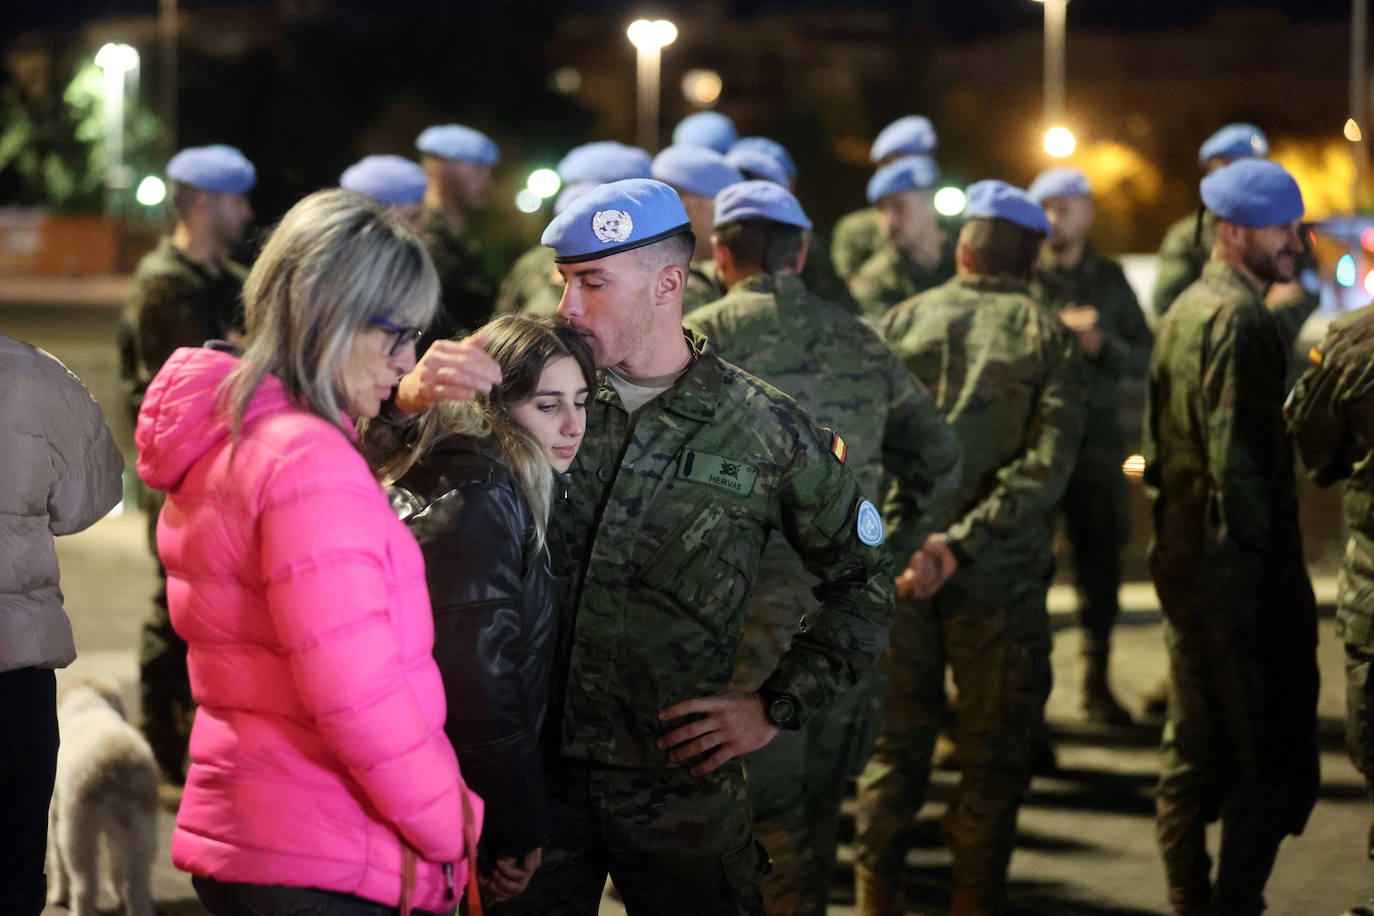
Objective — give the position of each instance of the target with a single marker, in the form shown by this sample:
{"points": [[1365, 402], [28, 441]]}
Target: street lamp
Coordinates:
{"points": [[116, 61], [1355, 124], [1059, 141], [649, 39]]}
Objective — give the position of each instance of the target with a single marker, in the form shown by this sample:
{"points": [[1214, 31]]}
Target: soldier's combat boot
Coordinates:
{"points": [[874, 894], [1099, 705]]}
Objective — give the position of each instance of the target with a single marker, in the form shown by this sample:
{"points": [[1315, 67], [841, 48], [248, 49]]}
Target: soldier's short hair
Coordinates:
{"points": [[1000, 247], [675, 249], [762, 244]]}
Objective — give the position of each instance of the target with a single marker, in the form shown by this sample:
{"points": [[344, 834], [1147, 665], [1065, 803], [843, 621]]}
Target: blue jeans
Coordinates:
{"points": [[223, 898]]}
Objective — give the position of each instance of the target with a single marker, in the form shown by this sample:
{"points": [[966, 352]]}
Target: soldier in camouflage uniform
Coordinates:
{"points": [[1092, 297], [918, 255], [1240, 620], [1331, 419], [697, 174], [840, 372], [458, 161], [688, 466], [185, 292], [857, 235], [1009, 378]]}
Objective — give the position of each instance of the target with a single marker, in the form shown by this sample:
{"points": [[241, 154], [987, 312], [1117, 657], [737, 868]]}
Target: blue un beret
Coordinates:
{"points": [[710, 129], [913, 135], [760, 200], [755, 163], [1253, 192], [1059, 183], [615, 217], [910, 173], [695, 170], [770, 148], [454, 141], [1234, 141], [992, 199], [603, 161], [213, 168], [392, 180]]}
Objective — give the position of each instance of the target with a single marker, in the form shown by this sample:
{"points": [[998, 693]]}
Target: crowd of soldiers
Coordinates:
{"points": [[967, 376]]}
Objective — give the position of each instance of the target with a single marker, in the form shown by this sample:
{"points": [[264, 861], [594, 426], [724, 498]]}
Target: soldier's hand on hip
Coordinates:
{"points": [[732, 724], [450, 370]]}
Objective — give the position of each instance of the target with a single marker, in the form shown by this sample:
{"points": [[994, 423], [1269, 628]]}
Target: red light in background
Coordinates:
{"points": [[1367, 239]]}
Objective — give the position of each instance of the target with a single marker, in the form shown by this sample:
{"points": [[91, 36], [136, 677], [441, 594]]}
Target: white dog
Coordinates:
{"points": [[105, 795]]}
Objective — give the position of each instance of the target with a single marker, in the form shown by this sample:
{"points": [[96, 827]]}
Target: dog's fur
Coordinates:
{"points": [[105, 794]]}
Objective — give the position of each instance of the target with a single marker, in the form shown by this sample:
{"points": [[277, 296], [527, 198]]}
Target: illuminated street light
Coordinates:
{"points": [[1060, 142], [949, 201], [543, 183], [649, 39], [1352, 131], [116, 62], [1056, 23], [151, 191], [701, 87]]}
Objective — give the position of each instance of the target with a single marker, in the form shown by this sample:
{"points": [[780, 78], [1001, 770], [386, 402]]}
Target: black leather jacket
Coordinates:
{"points": [[495, 625]]}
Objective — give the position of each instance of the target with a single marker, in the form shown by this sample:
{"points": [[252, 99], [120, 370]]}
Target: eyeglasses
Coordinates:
{"points": [[403, 335]]}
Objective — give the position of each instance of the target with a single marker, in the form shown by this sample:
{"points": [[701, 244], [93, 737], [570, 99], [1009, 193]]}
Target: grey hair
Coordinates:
{"points": [[334, 262]]}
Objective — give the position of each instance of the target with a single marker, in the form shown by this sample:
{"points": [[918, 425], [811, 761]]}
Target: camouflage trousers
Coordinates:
{"points": [[796, 787], [1239, 744], [674, 844], [1359, 712], [164, 685], [993, 633], [1097, 525]]}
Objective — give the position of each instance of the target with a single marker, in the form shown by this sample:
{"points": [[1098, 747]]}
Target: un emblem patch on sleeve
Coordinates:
{"points": [[870, 526]]}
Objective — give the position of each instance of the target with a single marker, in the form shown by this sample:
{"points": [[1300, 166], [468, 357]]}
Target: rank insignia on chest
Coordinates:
{"points": [[713, 470], [838, 448]]}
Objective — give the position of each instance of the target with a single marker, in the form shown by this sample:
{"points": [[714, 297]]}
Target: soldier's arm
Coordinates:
{"points": [[164, 321], [1319, 426], [1030, 484], [1126, 337], [1242, 388], [1177, 267], [924, 459]]}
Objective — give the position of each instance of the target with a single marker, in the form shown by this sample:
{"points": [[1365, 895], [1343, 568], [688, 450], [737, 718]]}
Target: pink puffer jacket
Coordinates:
{"points": [[319, 741]]}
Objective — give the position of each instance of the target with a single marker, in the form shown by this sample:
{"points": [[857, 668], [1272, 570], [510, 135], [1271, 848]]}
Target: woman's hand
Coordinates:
{"points": [[509, 878], [450, 370]]}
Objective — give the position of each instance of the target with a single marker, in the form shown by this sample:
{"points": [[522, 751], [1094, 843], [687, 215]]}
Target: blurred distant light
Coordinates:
{"points": [[119, 58], [1352, 131], [527, 201], [566, 80], [1367, 239], [1345, 270], [949, 201], [701, 87], [151, 191], [1369, 283], [649, 36], [543, 183], [1059, 142], [1134, 467]]}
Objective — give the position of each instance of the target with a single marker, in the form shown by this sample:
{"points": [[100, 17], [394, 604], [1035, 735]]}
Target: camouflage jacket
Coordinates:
{"points": [[660, 542], [843, 375], [466, 292], [702, 286], [531, 286], [856, 237], [176, 301], [1331, 418], [890, 277], [1217, 456], [1009, 378], [1126, 338]]}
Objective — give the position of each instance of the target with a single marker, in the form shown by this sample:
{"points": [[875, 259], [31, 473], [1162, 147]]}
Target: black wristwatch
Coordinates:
{"points": [[780, 710]]}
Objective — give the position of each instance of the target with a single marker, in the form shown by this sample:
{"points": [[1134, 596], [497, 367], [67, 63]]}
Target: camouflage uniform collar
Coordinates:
{"points": [[769, 283], [993, 284], [696, 392], [1221, 272]]}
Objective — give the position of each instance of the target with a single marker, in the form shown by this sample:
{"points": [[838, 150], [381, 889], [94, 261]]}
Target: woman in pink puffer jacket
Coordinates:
{"points": [[320, 769]]}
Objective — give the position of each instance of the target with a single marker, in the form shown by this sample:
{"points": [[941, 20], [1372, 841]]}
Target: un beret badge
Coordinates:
{"points": [[612, 225]]}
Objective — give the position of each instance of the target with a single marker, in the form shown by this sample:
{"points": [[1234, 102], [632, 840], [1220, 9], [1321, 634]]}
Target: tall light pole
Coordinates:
{"points": [[1356, 125], [1059, 141], [649, 39], [116, 62]]}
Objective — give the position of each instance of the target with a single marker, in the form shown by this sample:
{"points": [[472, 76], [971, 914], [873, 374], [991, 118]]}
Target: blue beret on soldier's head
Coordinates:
{"points": [[1059, 183], [913, 135], [695, 170], [770, 148], [710, 129], [392, 180], [1253, 192], [213, 168], [1234, 141], [755, 163], [992, 199], [616, 217], [759, 200], [602, 161], [910, 173], [454, 141]]}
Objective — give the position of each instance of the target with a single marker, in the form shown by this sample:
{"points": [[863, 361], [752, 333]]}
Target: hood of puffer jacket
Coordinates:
{"points": [[181, 419]]}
